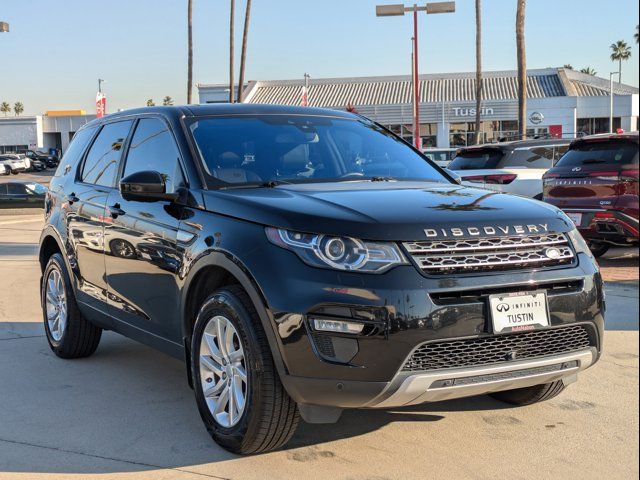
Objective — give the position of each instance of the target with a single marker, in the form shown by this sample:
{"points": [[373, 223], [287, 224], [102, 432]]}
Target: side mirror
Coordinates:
{"points": [[456, 178], [147, 185]]}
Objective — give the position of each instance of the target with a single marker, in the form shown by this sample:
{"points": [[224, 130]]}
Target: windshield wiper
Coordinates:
{"points": [[382, 179], [275, 183]]}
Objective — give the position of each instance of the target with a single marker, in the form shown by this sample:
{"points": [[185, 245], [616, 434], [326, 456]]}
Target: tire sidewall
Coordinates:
{"points": [[228, 305], [55, 263]]}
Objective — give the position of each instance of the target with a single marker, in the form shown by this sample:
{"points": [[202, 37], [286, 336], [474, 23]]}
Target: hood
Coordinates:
{"points": [[388, 210]]}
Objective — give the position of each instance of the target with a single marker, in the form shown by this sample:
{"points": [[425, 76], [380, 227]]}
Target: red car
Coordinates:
{"points": [[596, 184]]}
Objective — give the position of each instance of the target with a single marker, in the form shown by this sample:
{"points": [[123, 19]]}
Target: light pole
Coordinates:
{"points": [[611, 74], [399, 10]]}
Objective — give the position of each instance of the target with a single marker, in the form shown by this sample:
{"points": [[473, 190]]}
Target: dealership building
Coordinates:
{"points": [[54, 129], [561, 102]]}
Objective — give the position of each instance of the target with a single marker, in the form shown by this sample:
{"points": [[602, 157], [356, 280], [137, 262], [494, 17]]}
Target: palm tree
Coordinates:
{"points": [[243, 54], [568, 66], [522, 69], [189, 49], [588, 71], [18, 108], [151, 103], [478, 67], [232, 20], [167, 100], [620, 51], [5, 108]]}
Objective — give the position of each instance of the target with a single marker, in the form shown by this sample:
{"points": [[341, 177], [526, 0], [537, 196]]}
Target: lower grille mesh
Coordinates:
{"points": [[498, 348]]}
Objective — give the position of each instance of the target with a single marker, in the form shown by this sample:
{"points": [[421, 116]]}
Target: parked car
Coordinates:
{"points": [[14, 163], [22, 195], [442, 156], [509, 167], [294, 281], [51, 161], [596, 184]]}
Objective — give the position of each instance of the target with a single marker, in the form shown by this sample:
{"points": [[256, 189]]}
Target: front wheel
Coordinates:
{"points": [[238, 391], [530, 395]]}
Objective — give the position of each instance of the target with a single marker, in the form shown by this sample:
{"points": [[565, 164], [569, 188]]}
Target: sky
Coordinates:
{"points": [[55, 52]]}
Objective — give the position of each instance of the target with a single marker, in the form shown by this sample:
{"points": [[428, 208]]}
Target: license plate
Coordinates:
{"points": [[520, 311], [575, 218]]}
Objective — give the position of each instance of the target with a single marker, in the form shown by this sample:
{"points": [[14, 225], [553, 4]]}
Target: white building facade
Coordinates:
{"points": [[561, 103]]}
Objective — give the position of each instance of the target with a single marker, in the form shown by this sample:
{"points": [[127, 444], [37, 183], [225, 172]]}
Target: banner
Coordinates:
{"points": [[101, 105]]}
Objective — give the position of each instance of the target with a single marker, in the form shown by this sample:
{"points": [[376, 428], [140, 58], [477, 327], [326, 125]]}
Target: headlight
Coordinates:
{"points": [[579, 243], [340, 253]]}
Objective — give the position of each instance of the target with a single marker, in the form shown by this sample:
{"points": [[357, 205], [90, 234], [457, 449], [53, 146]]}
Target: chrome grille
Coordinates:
{"points": [[498, 348], [491, 253]]}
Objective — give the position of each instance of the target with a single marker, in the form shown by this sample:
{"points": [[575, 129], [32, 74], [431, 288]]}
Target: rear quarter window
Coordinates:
{"points": [[74, 151]]}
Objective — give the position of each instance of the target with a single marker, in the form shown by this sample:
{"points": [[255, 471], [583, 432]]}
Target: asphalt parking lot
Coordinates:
{"points": [[127, 412]]}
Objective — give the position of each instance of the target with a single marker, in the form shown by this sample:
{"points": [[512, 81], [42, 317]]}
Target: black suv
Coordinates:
{"points": [[303, 261]]}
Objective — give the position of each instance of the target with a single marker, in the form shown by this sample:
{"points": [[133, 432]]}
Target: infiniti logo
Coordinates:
{"points": [[576, 169], [503, 307]]}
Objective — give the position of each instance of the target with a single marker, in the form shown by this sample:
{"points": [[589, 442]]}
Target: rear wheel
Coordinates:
{"points": [[530, 395], [599, 249], [69, 334], [239, 394]]}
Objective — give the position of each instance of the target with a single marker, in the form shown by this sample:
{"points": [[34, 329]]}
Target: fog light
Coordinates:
{"points": [[337, 326]]}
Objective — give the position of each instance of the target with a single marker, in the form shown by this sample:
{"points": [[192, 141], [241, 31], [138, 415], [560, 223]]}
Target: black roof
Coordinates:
{"points": [[227, 109]]}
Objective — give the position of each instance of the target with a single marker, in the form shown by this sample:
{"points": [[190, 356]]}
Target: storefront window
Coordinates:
{"points": [[589, 126]]}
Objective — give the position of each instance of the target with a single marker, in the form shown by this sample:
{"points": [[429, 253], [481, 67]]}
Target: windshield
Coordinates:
{"points": [[477, 159], [257, 149], [610, 152]]}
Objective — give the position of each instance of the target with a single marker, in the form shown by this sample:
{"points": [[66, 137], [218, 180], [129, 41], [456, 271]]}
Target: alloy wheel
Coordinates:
{"points": [[223, 371], [56, 304]]}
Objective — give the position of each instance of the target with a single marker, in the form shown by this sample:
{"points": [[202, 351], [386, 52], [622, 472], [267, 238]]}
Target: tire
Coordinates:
{"points": [[530, 395], [13, 172], [599, 249], [73, 336], [269, 416]]}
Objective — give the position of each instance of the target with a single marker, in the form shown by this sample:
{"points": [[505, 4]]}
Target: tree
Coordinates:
{"points": [[620, 51], [167, 100], [18, 108], [151, 103], [5, 108], [232, 20], [478, 67], [522, 69], [635, 35], [243, 54], [189, 49], [588, 71], [568, 66]]}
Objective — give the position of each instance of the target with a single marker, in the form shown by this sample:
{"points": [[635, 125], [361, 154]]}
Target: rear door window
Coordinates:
{"points": [[605, 153], [477, 159], [101, 164], [16, 189]]}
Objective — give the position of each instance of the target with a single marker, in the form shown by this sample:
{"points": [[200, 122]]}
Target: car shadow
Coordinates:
{"points": [[128, 408]]}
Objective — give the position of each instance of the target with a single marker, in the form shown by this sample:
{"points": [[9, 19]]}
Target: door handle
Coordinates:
{"points": [[71, 198], [116, 211]]}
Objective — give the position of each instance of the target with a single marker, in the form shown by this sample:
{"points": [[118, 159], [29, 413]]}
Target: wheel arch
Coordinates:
{"points": [[213, 270]]}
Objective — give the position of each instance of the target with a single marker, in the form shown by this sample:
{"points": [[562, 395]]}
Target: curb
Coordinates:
{"points": [[6, 212]]}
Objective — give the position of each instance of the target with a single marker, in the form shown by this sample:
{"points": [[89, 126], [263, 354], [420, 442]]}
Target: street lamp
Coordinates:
{"points": [[4, 27], [611, 74], [399, 10]]}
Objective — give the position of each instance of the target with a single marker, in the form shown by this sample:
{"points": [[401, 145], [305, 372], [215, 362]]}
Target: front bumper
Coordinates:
{"points": [[403, 309]]}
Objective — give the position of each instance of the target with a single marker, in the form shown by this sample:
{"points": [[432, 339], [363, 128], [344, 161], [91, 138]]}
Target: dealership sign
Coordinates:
{"points": [[536, 118], [101, 105], [471, 112]]}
